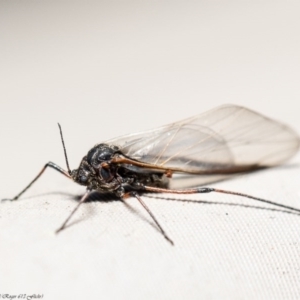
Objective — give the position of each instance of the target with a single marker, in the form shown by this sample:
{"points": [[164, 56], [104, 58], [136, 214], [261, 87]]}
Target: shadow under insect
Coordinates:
{"points": [[110, 197]]}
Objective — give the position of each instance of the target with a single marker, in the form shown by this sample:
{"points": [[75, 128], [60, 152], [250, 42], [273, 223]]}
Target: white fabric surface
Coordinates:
{"points": [[103, 69]]}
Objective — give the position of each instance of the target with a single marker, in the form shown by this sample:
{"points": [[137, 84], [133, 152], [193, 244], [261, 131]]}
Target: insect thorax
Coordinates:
{"points": [[97, 172]]}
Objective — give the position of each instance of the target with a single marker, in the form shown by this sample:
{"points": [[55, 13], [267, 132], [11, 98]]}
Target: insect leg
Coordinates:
{"points": [[134, 194], [209, 190], [49, 164], [83, 199]]}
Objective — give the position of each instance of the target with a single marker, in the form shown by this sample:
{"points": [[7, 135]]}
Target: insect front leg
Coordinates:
{"points": [[49, 164], [83, 199]]}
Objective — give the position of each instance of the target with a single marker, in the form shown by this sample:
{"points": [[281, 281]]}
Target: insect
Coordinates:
{"points": [[226, 140]]}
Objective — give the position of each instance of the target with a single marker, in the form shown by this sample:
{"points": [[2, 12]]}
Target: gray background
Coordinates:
{"points": [[104, 69]]}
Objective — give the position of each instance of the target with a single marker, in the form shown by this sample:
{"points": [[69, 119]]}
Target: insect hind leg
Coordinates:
{"points": [[201, 190]]}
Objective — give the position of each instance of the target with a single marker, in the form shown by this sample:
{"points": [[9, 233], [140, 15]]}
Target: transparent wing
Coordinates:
{"points": [[220, 139]]}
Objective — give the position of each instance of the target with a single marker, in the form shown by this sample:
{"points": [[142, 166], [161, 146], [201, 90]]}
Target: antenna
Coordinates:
{"points": [[66, 157]]}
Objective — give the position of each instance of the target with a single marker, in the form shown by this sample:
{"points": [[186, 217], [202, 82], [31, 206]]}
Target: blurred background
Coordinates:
{"points": [[108, 68]]}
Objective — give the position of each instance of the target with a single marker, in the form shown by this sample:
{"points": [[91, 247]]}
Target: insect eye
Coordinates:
{"points": [[105, 155]]}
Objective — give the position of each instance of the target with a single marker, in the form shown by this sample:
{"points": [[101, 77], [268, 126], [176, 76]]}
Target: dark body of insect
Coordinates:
{"points": [[97, 172]]}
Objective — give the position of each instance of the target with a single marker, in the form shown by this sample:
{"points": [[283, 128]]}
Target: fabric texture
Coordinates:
{"points": [[104, 69]]}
